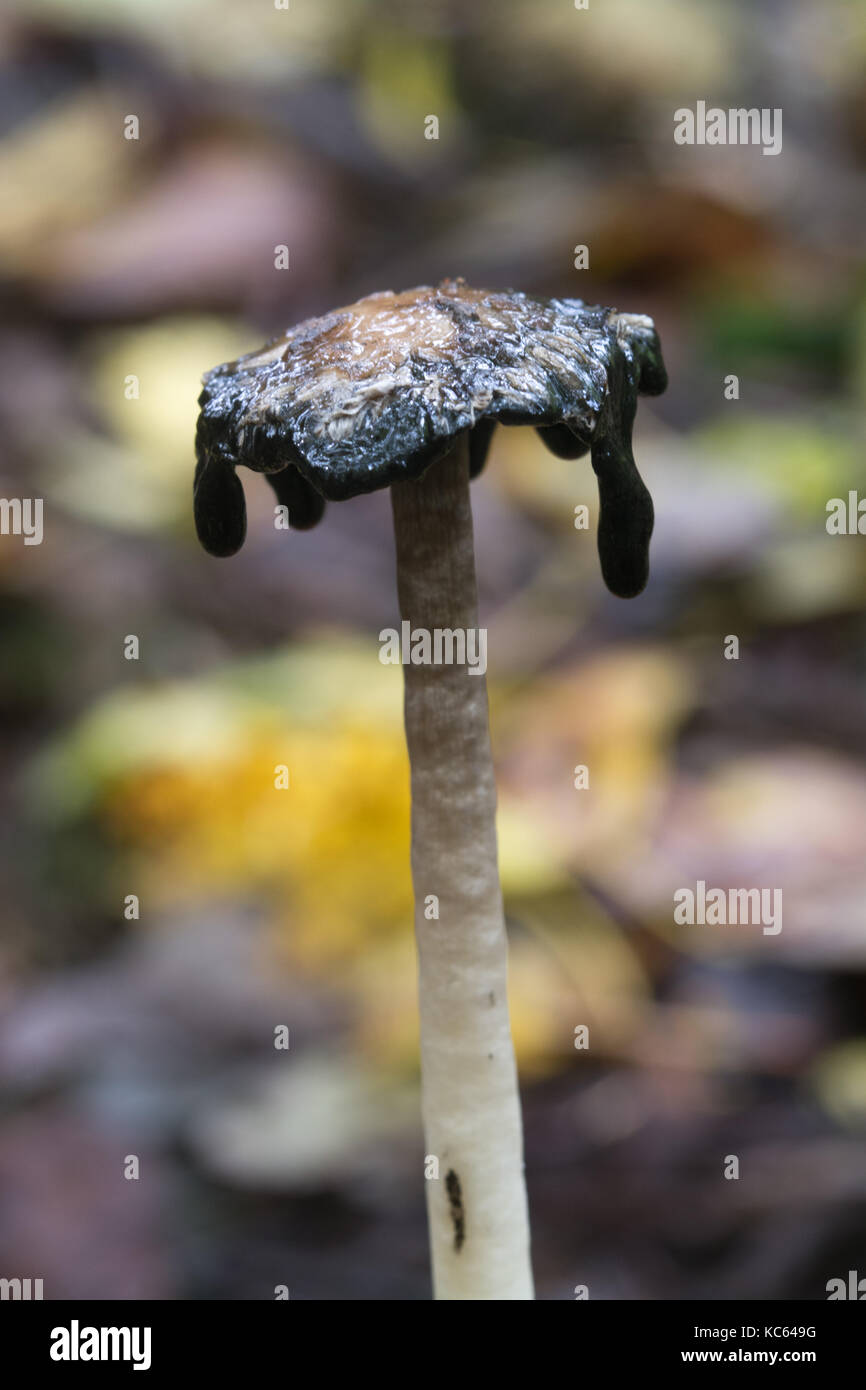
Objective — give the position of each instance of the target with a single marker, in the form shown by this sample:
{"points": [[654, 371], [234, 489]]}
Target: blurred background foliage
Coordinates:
{"points": [[154, 258]]}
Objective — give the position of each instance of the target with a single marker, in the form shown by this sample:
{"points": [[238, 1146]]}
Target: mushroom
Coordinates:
{"points": [[404, 391]]}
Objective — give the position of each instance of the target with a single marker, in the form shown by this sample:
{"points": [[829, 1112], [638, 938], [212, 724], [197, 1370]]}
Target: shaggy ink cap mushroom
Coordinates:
{"points": [[376, 393]]}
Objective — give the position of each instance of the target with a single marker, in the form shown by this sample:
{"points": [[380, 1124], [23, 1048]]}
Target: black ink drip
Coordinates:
{"points": [[626, 521], [218, 505], [455, 1202]]}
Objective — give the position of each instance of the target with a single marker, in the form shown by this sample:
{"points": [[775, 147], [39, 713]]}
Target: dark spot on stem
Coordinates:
{"points": [[455, 1203]]}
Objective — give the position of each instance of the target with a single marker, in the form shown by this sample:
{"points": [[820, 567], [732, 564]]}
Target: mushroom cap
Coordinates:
{"points": [[374, 393]]}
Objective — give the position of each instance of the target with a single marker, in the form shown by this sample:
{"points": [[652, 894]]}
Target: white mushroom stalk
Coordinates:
{"points": [[479, 1227], [404, 391]]}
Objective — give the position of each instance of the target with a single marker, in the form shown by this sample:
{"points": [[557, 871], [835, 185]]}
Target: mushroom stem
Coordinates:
{"points": [[477, 1210]]}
